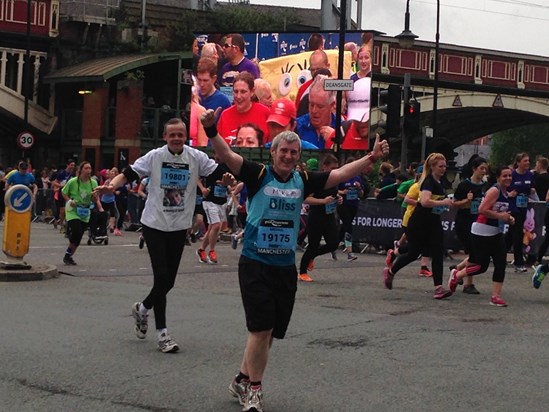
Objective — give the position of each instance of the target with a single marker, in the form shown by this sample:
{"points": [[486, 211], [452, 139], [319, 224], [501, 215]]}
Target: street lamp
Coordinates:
{"points": [[406, 40]]}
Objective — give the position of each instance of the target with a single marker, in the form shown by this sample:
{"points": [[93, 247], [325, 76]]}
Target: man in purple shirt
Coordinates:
{"points": [[234, 53]]}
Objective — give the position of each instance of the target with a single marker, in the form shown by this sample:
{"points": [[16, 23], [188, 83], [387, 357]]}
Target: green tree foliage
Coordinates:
{"points": [[239, 18], [532, 139]]}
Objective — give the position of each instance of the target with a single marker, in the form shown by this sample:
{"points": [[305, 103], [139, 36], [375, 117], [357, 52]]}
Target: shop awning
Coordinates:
{"points": [[100, 70]]}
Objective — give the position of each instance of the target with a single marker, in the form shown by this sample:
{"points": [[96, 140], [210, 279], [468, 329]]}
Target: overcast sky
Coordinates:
{"points": [[520, 26]]}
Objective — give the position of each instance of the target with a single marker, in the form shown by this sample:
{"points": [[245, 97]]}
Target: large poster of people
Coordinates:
{"points": [[265, 83]]}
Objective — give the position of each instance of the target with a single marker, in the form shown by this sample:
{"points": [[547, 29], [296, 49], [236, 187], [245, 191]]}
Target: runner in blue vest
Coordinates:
{"points": [[267, 271]]}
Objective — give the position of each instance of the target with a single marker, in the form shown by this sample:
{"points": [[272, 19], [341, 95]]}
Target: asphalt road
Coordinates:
{"points": [[67, 344]]}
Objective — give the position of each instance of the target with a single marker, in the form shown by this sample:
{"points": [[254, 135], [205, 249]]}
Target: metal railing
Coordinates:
{"points": [[89, 11]]}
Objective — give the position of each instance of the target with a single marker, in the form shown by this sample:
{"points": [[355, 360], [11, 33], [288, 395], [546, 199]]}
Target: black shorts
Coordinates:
{"points": [[75, 230], [268, 295], [199, 210]]}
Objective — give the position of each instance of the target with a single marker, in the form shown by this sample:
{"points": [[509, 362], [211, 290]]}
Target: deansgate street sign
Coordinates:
{"points": [[338, 84]]}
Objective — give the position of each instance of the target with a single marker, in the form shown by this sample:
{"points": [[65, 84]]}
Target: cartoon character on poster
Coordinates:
{"points": [[287, 73], [528, 229]]}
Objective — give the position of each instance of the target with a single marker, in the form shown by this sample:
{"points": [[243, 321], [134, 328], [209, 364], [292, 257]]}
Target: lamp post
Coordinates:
{"points": [[406, 40]]}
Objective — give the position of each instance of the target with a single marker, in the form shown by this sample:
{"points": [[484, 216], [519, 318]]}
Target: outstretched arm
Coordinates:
{"points": [[364, 164], [222, 150]]}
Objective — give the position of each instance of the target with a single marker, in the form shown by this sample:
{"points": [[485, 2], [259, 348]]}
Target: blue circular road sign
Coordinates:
{"points": [[19, 198]]}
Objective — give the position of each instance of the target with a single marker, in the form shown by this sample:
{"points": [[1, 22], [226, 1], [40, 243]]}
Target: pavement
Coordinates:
{"points": [[67, 343]]}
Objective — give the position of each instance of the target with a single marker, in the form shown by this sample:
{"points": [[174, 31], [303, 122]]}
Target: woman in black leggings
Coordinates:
{"points": [[425, 234], [487, 239], [321, 223]]}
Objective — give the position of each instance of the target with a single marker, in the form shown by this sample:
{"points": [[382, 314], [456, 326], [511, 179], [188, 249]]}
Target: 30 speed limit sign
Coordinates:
{"points": [[25, 140]]}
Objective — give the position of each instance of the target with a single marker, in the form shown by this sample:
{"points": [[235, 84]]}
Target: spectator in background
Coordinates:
{"points": [[364, 63], [197, 135], [196, 54], [317, 61], [353, 48], [262, 92], [23, 177], [315, 42], [541, 177], [209, 51], [282, 117], [249, 135], [206, 77], [390, 191], [243, 110], [317, 126], [386, 174], [234, 52]]}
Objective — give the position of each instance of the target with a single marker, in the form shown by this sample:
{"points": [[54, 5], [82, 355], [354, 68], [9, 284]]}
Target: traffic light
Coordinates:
{"points": [[390, 100], [412, 113]]}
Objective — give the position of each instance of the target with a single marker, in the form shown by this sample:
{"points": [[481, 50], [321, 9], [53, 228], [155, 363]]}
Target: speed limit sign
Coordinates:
{"points": [[25, 140]]}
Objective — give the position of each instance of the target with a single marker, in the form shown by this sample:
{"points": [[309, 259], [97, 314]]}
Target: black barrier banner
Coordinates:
{"points": [[379, 222]]}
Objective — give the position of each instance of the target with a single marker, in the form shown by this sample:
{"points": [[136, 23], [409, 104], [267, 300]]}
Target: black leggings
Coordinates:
{"points": [[545, 244], [482, 249], [165, 250], [319, 225], [425, 238], [346, 213], [514, 237], [122, 206]]}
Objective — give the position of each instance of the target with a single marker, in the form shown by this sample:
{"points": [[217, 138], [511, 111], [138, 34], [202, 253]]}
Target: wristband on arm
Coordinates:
{"points": [[211, 131]]}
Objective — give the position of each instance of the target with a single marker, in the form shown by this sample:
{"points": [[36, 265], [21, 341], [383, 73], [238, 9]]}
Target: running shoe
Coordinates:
{"points": [[389, 259], [334, 255], [234, 242], [304, 277], [520, 268], [202, 258], [193, 237], [538, 276], [471, 290], [311, 265], [497, 301], [254, 400], [452, 267], [212, 257], [166, 344], [388, 278], [425, 272], [141, 321], [117, 232], [351, 257], [239, 390], [441, 293], [141, 242], [453, 281], [68, 260]]}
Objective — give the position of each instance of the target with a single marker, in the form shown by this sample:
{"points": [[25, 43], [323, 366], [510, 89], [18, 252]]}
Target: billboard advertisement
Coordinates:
{"points": [[268, 82]]}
